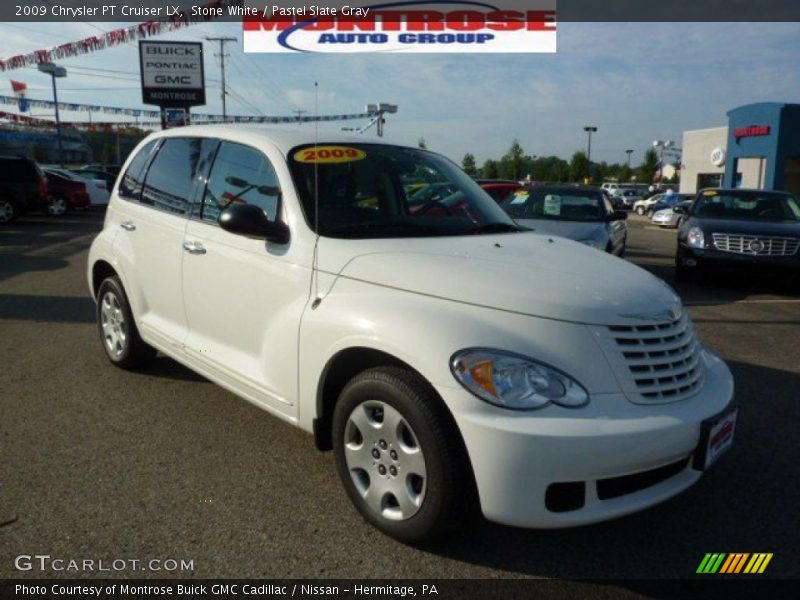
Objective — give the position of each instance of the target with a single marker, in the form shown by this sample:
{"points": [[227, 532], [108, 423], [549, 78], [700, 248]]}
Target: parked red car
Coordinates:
{"points": [[65, 194], [500, 190]]}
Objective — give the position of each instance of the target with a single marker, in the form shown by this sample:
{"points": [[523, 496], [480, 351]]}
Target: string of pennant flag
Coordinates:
{"points": [[156, 115], [116, 37]]}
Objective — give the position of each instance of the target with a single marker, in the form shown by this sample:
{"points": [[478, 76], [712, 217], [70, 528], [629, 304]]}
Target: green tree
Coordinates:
{"points": [[515, 157], [625, 173], [469, 165], [490, 170], [649, 168], [579, 166], [421, 143]]}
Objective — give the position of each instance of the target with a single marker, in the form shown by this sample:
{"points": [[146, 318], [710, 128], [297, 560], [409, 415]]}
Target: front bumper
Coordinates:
{"points": [[517, 456], [693, 257]]}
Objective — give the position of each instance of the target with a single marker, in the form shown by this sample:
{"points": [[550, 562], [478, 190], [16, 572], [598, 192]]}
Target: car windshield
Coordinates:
{"points": [[378, 191], [559, 205], [747, 205]]}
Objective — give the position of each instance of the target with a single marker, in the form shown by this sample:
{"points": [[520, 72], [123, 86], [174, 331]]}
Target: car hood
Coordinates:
{"points": [[527, 273], [573, 230], [747, 227]]}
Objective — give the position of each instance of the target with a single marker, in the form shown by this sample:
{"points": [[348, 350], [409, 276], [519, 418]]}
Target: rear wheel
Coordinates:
{"points": [[399, 456], [121, 341], [56, 206], [8, 212]]}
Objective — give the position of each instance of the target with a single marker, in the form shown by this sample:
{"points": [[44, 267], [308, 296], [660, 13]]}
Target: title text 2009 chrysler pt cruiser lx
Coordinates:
{"points": [[440, 350]]}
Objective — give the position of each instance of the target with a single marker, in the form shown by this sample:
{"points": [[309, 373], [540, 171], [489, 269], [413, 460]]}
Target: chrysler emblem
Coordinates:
{"points": [[756, 246]]}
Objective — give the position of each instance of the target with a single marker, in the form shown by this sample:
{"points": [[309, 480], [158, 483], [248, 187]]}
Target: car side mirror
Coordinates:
{"points": [[249, 220], [681, 210], [618, 215]]}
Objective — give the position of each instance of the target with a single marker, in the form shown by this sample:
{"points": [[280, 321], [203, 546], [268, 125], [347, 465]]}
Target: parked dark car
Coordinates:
{"points": [[579, 213], [23, 187], [739, 228], [64, 194]]}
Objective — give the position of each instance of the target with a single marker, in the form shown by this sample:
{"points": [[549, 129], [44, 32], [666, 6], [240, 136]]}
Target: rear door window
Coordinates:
{"points": [[130, 187]]}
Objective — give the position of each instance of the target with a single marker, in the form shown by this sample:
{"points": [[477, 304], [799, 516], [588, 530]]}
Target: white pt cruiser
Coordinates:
{"points": [[442, 352]]}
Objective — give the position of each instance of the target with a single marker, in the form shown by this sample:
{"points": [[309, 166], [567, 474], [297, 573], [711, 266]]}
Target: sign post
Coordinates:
{"points": [[172, 77]]}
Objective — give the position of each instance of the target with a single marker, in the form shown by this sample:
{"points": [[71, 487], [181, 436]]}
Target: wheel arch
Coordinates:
{"points": [[101, 270], [340, 369]]}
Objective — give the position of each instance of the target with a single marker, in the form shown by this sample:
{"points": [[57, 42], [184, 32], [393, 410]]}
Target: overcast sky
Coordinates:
{"points": [[635, 81]]}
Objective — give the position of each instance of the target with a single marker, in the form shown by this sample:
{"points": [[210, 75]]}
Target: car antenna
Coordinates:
{"points": [[315, 266]]}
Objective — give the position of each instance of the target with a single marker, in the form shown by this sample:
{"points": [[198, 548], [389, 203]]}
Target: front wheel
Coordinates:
{"points": [[118, 332], [56, 206], [8, 212], [399, 455]]}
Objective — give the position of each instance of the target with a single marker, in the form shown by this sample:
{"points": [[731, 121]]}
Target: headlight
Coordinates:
{"points": [[592, 243], [512, 381], [695, 238]]}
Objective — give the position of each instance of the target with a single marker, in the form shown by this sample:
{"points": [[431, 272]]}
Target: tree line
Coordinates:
{"points": [[517, 165]]}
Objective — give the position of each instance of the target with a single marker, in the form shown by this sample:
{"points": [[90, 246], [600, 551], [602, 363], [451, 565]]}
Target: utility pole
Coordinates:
{"points": [[300, 114], [629, 152], [590, 129], [222, 41]]}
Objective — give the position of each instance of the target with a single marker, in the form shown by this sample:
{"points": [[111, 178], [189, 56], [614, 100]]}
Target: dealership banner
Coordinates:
{"points": [[399, 27]]}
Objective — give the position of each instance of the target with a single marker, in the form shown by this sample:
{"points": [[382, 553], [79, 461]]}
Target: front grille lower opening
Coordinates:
{"points": [[628, 484]]}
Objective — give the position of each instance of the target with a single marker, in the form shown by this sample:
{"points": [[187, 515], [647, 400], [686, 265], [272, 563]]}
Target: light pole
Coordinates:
{"points": [[55, 72], [590, 130], [629, 152]]}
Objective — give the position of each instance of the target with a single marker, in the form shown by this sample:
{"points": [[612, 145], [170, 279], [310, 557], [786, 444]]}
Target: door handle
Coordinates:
{"points": [[194, 247], [128, 226]]}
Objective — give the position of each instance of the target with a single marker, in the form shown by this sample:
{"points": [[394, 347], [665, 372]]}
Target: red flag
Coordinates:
{"points": [[19, 87]]}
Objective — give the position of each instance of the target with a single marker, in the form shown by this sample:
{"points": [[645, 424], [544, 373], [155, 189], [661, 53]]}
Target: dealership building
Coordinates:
{"points": [[759, 149]]}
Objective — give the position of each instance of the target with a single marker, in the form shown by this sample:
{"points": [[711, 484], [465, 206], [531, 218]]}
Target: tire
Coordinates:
{"points": [[417, 466], [8, 212], [56, 206], [118, 332]]}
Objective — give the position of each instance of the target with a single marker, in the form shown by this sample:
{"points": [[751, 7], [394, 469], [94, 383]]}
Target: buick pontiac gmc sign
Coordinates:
{"points": [[401, 27], [172, 73]]}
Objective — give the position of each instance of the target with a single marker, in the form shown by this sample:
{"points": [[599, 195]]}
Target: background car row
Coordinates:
{"points": [[26, 186]]}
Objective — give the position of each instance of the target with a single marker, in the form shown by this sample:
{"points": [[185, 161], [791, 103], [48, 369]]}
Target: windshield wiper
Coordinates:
{"points": [[494, 228]]}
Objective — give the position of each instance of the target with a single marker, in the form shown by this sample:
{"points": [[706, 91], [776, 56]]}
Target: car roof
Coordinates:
{"points": [[750, 190], [565, 187], [283, 139]]}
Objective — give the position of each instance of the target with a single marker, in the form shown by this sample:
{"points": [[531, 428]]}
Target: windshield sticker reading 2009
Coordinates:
{"points": [[329, 154]]}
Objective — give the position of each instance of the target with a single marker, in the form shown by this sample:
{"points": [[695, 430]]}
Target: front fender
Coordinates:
{"points": [[425, 332]]}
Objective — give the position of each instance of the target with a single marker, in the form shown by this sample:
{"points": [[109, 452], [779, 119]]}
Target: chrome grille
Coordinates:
{"points": [[656, 363], [755, 245]]}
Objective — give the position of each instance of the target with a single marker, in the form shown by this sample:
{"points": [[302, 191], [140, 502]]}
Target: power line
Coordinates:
{"points": [[222, 41]]}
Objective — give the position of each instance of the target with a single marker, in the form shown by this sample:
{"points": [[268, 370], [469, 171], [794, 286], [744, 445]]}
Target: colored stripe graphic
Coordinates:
{"points": [[734, 563]]}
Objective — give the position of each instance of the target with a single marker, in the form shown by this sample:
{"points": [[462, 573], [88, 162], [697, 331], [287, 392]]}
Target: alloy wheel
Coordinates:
{"points": [[6, 211], [56, 206], [385, 460], [115, 328]]}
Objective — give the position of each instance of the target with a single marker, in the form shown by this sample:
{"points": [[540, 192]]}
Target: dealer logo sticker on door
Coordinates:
{"points": [[446, 26]]}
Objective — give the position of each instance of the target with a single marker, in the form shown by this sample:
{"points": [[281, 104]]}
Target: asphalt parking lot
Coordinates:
{"points": [[96, 462]]}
